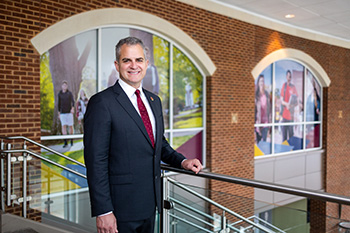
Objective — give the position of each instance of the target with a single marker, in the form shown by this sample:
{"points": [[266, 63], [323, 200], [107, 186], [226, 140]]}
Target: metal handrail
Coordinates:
{"points": [[25, 153], [43, 147], [323, 196], [45, 159]]}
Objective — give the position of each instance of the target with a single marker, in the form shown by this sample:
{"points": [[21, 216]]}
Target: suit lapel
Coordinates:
{"points": [[124, 101]]}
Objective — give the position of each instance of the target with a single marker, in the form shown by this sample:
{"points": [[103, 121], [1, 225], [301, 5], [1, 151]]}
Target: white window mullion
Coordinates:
{"points": [[171, 95], [304, 108], [99, 60], [273, 110]]}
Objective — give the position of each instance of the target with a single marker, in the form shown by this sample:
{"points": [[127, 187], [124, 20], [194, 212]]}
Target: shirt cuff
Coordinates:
{"points": [[105, 214], [182, 162]]}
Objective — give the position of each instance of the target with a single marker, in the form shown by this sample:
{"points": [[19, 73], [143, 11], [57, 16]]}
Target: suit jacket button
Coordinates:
{"points": [[156, 177]]}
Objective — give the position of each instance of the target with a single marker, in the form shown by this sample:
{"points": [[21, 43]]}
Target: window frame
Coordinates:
{"points": [[170, 131], [304, 123]]}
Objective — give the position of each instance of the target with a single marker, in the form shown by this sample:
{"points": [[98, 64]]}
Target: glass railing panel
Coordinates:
{"points": [[60, 195], [293, 217], [189, 214]]}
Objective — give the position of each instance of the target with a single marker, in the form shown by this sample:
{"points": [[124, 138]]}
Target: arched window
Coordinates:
{"points": [[86, 62], [288, 109]]}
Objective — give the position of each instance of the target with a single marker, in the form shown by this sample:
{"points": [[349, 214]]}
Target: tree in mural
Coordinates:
{"points": [[66, 64], [46, 94], [186, 74], [161, 61]]}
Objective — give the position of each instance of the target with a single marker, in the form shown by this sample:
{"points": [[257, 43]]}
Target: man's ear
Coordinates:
{"points": [[116, 64]]}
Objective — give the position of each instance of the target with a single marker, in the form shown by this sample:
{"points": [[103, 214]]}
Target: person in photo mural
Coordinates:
{"points": [[65, 108], [313, 104], [81, 109], [263, 109], [289, 98]]}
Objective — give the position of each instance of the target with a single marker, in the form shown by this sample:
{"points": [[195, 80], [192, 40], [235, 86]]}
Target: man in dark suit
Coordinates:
{"points": [[124, 145]]}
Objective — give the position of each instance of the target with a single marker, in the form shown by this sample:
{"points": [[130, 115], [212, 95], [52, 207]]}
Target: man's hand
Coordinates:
{"points": [[192, 165], [106, 224]]}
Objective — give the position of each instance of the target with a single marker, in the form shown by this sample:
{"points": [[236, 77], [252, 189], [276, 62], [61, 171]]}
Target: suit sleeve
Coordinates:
{"points": [[171, 156], [97, 130], [168, 154]]}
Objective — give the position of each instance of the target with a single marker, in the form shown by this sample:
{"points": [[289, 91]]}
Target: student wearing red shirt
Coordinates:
{"points": [[289, 97]]}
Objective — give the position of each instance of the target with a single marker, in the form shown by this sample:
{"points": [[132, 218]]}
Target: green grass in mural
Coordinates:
{"points": [[76, 155], [190, 120], [190, 123], [178, 141]]}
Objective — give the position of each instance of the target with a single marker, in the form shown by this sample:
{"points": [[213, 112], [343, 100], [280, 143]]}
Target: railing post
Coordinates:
{"points": [[161, 218], [2, 174], [164, 220], [223, 222], [24, 184], [8, 188], [2, 183]]}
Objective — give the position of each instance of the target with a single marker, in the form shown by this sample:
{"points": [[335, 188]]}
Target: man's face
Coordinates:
{"points": [[132, 65], [289, 77], [64, 87]]}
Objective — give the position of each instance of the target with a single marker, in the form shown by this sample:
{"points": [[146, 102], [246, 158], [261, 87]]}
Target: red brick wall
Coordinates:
{"points": [[234, 46]]}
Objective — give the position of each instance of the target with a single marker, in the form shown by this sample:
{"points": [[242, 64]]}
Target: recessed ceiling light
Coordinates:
{"points": [[289, 16]]}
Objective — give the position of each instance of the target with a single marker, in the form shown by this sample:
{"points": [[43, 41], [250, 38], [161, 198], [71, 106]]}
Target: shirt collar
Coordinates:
{"points": [[129, 90]]}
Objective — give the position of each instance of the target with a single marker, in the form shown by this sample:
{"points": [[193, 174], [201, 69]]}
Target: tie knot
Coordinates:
{"points": [[137, 92]]}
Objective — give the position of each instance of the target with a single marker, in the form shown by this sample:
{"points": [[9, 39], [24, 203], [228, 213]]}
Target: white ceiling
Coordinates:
{"points": [[327, 17]]}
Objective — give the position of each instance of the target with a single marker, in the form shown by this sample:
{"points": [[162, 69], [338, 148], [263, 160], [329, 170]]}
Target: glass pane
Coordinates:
{"points": [[289, 92], [263, 97], [190, 144], [313, 101], [73, 61], [288, 138], [59, 194], [192, 214], [188, 92], [313, 136], [262, 141], [161, 70]]}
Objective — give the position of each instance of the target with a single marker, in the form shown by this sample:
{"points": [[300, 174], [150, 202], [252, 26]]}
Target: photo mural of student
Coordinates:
{"points": [[263, 109], [66, 63], [289, 94], [263, 112], [289, 97], [65, 106], [313, 111], [81, 109], [313, 101]]}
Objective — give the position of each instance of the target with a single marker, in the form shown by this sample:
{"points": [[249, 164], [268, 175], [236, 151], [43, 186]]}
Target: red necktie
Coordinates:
{"points": [[145, 117]]}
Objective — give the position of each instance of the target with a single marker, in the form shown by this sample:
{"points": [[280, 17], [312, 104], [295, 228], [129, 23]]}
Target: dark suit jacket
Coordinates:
{"points": [[123, 169]]}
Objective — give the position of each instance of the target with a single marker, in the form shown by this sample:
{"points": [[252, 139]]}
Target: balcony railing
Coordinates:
{"points": [[60, 192]]}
